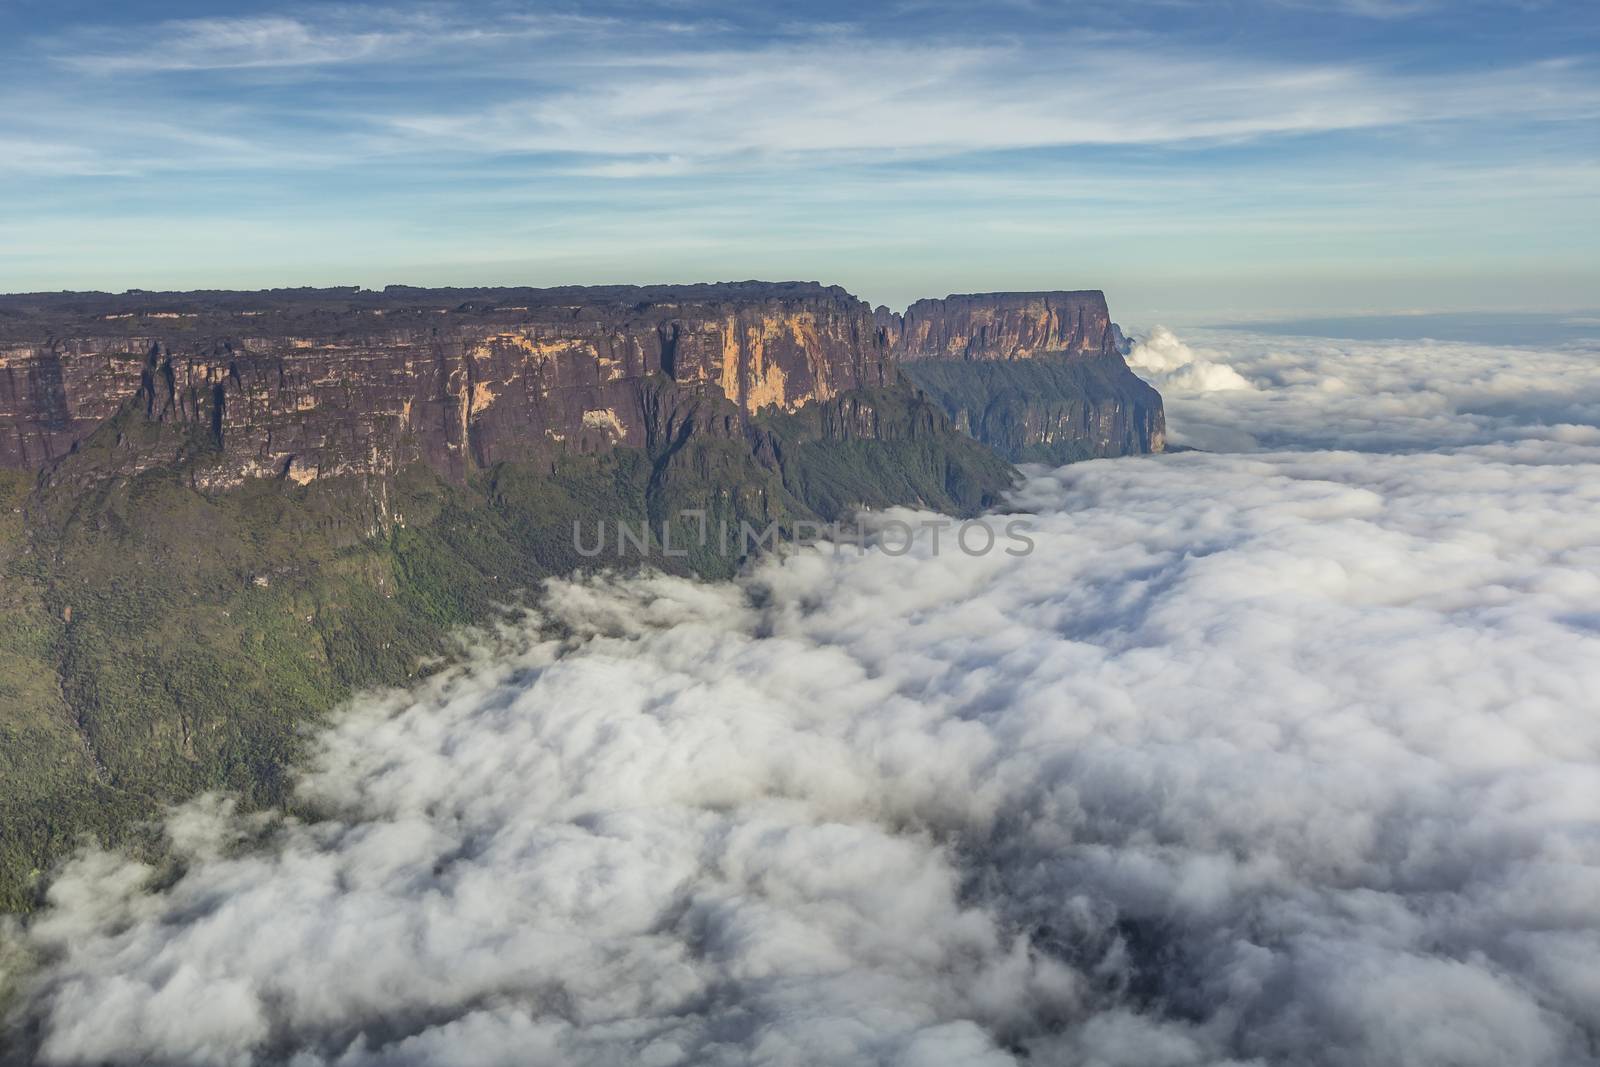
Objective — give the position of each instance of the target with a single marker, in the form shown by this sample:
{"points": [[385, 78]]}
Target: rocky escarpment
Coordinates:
{"points": [[226, 512], [221, 513], [1005, 326], [1036, 376], [307, 384], [319, 383]]}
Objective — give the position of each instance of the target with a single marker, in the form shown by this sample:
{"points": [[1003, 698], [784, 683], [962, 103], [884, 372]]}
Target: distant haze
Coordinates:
{"points": [[1503, 329]]}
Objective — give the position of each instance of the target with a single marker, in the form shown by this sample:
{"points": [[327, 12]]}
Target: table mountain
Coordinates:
{"points": [[223, 512], [1039, 377]]}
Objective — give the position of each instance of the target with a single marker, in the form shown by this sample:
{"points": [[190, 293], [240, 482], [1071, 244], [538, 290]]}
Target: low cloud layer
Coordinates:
{"points": [[1284, 756], [1380, 396], [1172, 365]]}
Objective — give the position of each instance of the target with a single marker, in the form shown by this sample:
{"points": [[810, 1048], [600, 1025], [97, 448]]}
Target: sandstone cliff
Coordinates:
{"points": [[1000, 326], [1039, 377], [310, 384], [307, 384], [226, 512]]}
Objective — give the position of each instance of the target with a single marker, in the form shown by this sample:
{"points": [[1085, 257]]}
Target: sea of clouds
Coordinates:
{"points": [[1285, 752]]}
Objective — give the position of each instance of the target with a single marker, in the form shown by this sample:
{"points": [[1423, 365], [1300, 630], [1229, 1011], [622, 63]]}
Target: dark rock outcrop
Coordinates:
{"points": [[1047, 410]]}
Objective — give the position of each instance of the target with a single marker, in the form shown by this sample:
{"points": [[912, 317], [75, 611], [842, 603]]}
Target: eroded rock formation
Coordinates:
{"points": [[227, 512]]}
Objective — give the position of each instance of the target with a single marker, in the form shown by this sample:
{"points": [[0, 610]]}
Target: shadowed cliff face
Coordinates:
{"points": [[1048, 410], [310, 385], [1039, 377]]}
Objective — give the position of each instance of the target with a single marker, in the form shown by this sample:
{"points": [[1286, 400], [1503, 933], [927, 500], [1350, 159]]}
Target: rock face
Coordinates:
{"points": [[1047, 410], [1002, 326], [307, 384], [1037, 376], [226, 512]]}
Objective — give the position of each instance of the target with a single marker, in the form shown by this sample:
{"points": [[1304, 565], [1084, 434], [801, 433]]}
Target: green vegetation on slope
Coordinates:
{"points": [[883, 447], [1046, 410], [157, 641]]}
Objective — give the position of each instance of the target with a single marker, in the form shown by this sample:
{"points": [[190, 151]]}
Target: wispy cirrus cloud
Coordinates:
{"points": [[370, 111], [657, 98], [22, 155], [1371, 9], [339, 36], [947, 99], [230, 43]]}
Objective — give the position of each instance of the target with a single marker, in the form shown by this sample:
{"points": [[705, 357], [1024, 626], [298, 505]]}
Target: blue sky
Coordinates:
{"points": [[1196, 160]]}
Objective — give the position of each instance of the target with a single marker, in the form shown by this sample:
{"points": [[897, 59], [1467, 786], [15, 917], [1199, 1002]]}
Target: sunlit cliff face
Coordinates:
{"points": [[1282, 753], [1007, 326], [351, 389], [368, 390]]}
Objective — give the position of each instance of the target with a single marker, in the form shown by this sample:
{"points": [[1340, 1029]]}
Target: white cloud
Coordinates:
{"points": [[234, 43], [1375, 9], [646, 167], [618, 89], [1386, 396], [1281, 757], [934, 98], [1167, 362], [338, 35], [41, 157]]}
